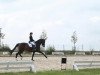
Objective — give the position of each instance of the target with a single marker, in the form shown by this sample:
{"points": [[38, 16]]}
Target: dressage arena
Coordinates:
{"points": [[52, 62]]}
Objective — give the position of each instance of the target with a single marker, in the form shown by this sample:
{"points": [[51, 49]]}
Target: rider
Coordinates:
{"points": [[31, 40]]}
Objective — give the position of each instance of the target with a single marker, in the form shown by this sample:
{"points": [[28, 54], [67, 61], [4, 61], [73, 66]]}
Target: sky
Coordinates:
{"points": [[58, 18]]}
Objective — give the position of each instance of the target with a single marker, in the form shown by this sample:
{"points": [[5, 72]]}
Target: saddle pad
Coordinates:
{"points": [[30, 45]]}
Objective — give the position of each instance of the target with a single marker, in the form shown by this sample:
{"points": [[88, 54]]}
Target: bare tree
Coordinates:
{"points": [[1, 36], [43, 35], [74, 40]]}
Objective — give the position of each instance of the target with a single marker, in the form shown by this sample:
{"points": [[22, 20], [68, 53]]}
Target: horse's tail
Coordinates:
{"points": [[11, 51]]}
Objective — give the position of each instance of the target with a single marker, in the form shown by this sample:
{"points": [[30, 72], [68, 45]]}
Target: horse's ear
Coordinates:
{"points": [[46, 38]]}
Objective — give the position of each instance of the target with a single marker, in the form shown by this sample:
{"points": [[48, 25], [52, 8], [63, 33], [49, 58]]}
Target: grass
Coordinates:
{"points": [[67, 72]]}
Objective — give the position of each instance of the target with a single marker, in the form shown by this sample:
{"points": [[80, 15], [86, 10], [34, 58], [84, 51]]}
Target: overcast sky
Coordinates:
{"points": [[59, 18]]}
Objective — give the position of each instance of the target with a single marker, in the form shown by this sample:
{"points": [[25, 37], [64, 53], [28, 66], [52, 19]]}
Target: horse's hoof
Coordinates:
{"points": [[16, 59], [32, 59], [21, 58]]}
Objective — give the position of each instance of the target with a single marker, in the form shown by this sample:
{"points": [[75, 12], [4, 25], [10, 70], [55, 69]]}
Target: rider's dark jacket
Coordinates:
{"points": [[31, 39]]}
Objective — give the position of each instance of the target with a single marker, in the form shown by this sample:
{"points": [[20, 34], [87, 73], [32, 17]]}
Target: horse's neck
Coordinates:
{"points": [[38, 43]]}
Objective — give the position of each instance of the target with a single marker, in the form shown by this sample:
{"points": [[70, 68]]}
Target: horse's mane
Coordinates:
{"points": [[39, 40]]}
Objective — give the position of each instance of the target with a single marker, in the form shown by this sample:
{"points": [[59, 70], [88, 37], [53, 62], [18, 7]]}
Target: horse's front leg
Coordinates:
{"points": [[42, 53], [33, 55], [21, 56]]}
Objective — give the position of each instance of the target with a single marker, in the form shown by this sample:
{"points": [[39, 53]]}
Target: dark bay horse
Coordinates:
{"points": [[25, 47]]}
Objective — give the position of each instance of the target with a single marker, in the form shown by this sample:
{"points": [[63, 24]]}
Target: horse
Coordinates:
{"points": [[25, 47]]}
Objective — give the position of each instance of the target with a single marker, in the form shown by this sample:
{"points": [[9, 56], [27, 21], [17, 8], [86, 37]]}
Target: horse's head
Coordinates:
{"points": [[41, 42]]}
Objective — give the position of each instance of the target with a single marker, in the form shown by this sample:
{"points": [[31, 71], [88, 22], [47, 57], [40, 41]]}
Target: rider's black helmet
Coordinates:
{"points": [[31, 33]]}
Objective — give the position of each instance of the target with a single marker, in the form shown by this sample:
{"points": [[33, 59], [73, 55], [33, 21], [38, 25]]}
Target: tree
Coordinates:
{"points": [[1, 37], [50, 49], [74, 40], [5, 48], [43, 35]]}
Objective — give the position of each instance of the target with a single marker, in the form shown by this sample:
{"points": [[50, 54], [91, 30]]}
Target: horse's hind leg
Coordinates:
{"points": [[19, 53], [16, 56]]}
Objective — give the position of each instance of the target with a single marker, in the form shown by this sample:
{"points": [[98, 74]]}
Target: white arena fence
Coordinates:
{"points": [[17, 65], [96, 53], [57, 53], [85, 64], [80, 53]]}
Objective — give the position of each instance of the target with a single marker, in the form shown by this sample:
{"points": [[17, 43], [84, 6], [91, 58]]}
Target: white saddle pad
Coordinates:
{"points": [[30, 45]]}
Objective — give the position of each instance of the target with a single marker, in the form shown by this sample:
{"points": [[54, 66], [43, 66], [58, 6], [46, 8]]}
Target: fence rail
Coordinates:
{"points": [[86, 64], [16, 65]]}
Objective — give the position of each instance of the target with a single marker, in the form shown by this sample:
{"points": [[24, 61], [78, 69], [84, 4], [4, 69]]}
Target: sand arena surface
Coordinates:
{"points": [[52, 62]]}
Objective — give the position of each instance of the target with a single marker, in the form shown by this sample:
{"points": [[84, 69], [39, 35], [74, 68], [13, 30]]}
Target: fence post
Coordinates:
{"points": [[75, 67], [7, 65], [91, 63], [32, 68]]}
